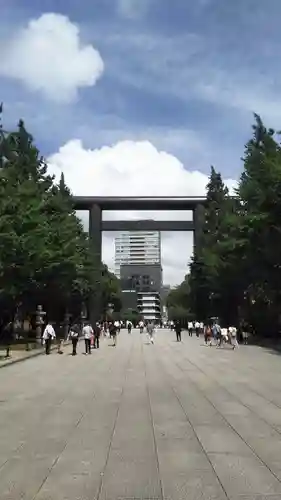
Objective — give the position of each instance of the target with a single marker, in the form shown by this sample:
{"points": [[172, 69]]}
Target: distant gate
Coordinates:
{"points": [[96, 205]]}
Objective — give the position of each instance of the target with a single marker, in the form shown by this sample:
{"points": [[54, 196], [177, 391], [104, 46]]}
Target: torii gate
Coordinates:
{"points": [[96, 205]]}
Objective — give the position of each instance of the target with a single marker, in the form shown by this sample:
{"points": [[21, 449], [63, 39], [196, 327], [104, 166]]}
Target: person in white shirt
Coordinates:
{"points": [[201, 328], [141, 325], [48, 335], [224, 337], [190, 328], [117, 326], [233, 336], [88, 333], [150, 331], [197, 328]]}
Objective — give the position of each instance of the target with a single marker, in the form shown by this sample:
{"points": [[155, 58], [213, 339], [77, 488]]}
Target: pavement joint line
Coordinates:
{"points": [[251, 368], [65, 446], [233, 395], [228, 423], [128, 362], [56, 459], [190, 423], [168, 387], [152, 425]]}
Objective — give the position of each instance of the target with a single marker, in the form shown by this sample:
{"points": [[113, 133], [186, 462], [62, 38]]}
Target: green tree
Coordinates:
{"points": [[111, 291], [205, 292], [260, 194], [178, 301], [45, 255]]}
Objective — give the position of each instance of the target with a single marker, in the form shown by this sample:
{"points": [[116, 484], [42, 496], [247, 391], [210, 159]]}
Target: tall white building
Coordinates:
{"points": [[137, 248]]}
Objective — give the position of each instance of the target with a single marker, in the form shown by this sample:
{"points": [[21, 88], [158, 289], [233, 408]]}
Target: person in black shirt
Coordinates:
{"points": [[97, 332], [178, 331], [7, 336], [73, 335], [113, 333]]}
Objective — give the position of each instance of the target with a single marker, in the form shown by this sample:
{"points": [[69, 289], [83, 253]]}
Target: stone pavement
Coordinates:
{"points": [[18, 355], [165, 421]]}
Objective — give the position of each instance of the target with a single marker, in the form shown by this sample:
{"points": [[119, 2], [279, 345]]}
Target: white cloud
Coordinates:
{"points": [[49, 56], [131, 168]]}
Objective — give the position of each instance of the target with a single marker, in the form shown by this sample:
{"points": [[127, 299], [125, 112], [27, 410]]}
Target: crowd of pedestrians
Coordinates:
{"points": [[212, 332], [91, 335]]}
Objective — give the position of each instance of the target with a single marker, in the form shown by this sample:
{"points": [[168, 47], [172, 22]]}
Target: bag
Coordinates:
{"points": [[73, 335]]}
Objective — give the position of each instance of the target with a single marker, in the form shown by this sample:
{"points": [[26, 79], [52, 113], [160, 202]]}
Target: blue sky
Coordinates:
{"points": [[184, 75], [160, 59]]}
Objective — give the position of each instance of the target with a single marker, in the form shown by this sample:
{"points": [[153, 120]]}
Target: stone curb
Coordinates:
{"points": [[29, 356]]}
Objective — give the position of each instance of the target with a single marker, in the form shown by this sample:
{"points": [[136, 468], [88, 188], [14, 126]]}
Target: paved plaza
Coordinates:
{"points": [[165, 421]]}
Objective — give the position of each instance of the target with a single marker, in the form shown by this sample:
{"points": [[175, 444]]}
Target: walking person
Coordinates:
{"points": [[113, 333], [74, 337], [129, 326], [245, 332], [49, 335], [88, 335], [233, 336], [208, 335], [245, 335], [178, 331], [197, 328], [117, 326], [190, 328], [150, 331], [97, 334], [217, 333], [141, 325], [7, 337], [105, 328]]}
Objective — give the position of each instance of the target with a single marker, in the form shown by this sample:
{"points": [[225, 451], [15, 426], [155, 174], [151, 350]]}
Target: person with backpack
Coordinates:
{"points": [[74, 337], [48, 336], [217, 333], [216, 330]]}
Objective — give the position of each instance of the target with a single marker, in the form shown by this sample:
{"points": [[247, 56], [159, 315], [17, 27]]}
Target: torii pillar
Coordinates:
{"points": [[95, 235]]}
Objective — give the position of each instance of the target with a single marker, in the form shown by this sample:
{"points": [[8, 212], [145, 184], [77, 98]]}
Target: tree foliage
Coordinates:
{"points": [[178, 302], [235, 273], [45, 255]]}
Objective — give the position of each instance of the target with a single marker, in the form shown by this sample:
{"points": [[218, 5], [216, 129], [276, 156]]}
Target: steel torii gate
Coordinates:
{"points": [[96, 205]]}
